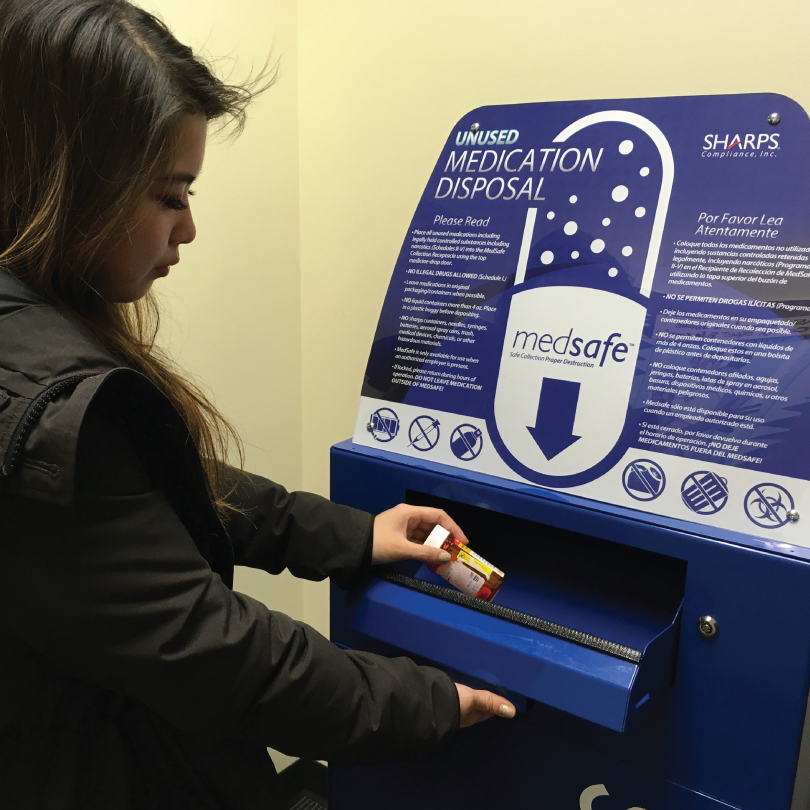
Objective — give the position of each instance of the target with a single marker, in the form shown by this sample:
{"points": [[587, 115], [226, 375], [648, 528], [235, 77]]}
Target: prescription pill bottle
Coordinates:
{"points": [[468, 572]]}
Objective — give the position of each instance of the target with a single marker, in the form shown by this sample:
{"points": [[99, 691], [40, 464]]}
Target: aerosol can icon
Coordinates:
{"points": [[570, 351]]}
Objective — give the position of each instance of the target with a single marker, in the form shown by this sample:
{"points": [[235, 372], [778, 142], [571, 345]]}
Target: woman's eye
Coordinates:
{"points": [[175, 203]]}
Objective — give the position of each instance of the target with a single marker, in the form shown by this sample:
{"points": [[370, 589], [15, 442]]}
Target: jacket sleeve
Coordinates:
{"points": [[305, 533], [115, 592]]}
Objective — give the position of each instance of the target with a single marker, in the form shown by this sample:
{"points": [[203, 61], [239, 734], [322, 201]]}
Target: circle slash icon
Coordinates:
{"points": [[383, 425], [424, 433], [704, 492], [466, 442], [768, 505], [643, 479]]}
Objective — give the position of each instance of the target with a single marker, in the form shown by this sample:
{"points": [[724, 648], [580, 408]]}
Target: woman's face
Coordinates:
{"points": [[161, 223]]}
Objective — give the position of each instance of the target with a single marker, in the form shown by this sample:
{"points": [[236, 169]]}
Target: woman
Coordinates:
{"points": [[131, 675]]}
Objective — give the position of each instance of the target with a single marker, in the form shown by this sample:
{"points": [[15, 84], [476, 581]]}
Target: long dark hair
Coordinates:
{"points": [[92, 93]]}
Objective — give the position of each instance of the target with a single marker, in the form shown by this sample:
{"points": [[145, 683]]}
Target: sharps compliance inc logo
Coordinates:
{"points": [[740, 145]]}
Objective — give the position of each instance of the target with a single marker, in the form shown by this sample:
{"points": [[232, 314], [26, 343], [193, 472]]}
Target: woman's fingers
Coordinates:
{"points": [[476, 705], [399, 534], [427, 554], [425, 518]]}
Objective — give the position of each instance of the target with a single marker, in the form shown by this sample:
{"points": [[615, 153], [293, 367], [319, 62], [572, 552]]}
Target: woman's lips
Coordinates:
{"points": [[162, 272]]}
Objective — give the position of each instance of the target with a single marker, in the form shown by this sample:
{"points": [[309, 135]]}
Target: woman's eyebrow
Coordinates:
{"points": [[181, 177]]}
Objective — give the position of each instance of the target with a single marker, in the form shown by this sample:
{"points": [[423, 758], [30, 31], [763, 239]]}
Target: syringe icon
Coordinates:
{"points": [[421, 430]]}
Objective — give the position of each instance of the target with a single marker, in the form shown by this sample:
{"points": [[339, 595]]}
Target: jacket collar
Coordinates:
{"points": [[14, 295]]}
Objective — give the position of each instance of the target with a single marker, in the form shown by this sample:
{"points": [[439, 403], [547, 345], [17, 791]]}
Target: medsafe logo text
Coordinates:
{"points": [[566, 344]]}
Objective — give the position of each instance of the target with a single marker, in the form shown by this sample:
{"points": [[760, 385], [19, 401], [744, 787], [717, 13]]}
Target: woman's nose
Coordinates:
{"points": [[185, 231]]}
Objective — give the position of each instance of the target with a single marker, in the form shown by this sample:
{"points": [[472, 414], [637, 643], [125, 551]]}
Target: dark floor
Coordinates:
{"points": [[304, 785]]}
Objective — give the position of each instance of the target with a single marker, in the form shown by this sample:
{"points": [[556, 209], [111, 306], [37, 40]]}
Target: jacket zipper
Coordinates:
{"points": [[31, 416]]}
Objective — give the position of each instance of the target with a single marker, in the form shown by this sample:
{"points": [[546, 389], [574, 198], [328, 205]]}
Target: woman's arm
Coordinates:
{"points": [[115, 592], [305, 533], [315, 538]]}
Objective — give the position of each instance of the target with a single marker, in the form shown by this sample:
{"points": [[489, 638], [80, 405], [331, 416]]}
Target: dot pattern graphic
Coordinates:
{"points": [[623, 232], [620, 193]]}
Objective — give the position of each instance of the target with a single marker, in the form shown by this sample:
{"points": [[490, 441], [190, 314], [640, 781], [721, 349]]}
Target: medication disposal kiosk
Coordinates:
{"points": [[593, 354]]}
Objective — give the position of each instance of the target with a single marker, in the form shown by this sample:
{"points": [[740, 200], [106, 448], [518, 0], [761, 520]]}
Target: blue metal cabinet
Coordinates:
{"points": [[609, 298], [723, 725]]}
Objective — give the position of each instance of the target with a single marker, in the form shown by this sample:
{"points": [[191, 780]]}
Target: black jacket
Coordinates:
{"points": [[131, 675]]}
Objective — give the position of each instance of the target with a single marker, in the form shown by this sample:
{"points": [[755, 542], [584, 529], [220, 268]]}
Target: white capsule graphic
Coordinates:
{"points": [[597, 333]]}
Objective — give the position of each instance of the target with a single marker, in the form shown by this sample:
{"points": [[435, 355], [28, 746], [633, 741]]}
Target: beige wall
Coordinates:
{"points": [[381, 85], [233, 304], [300, 221]]}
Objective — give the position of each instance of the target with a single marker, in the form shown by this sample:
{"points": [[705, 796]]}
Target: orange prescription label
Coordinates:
{"points": [[467, 571], [461, 577]]}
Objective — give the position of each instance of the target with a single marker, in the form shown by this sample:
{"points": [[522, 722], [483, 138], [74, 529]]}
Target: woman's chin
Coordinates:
{"points": [[129, 295]]}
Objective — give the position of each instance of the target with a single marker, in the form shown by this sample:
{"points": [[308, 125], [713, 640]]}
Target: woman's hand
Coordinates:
{"points": [[477, 705], [400, 532]]}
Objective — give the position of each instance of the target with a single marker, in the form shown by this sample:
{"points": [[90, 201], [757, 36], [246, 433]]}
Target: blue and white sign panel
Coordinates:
{"points": [[611, 298]]}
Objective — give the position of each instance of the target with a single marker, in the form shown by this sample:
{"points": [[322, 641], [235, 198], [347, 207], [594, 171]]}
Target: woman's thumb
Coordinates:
{"points": [[434, 555]]}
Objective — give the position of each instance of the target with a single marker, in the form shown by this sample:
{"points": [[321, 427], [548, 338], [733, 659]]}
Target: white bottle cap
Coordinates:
{"points": [[437, 537]]}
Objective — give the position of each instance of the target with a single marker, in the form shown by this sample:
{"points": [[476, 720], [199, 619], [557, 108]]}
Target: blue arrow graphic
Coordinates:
{"points": [[554, 429]]}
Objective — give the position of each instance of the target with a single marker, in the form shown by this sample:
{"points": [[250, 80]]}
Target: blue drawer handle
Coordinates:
{"points": [[515, 616]]}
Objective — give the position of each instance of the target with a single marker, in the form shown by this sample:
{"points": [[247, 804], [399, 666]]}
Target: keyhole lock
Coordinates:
{"points": [[707, 626]]}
